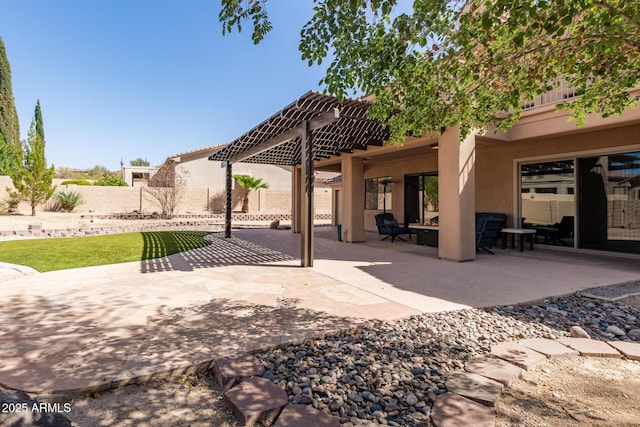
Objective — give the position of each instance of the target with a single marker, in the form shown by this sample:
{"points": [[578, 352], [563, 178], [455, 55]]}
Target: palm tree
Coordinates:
{"points": [[249, 183]]}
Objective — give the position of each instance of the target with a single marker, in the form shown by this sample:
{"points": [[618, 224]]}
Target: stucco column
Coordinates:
{"points": [[457, 196], [296, 200], [352, 198]]}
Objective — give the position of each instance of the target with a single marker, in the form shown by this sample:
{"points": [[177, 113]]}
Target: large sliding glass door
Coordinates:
{"points": [[609, 202], [602, 194], [421, 198], [548, 201]]}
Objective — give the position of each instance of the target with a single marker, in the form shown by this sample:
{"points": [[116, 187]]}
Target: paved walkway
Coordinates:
{"points": [[101, 326]]}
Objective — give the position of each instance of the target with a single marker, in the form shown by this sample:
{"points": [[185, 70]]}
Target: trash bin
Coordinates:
{"points": [[339, 232]]}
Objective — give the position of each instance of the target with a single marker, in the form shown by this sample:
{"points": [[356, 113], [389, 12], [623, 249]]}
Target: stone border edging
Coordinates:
{"points": [[473, 392], [469, 400]]}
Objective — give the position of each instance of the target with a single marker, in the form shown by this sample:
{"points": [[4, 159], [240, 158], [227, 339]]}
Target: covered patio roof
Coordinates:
{"points": [[313, 127], [338, 127]]}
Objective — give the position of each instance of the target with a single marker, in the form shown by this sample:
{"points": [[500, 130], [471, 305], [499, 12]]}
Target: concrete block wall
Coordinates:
{"points": [[195, 200]]}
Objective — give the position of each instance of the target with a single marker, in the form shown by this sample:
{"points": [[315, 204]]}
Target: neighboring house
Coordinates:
{"points": [[138, 176], [201, 174], [544, 169], [198, 172]]}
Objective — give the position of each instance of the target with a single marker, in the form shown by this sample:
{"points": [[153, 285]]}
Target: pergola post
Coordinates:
{"points": [[306, 237], [229, 204], [296, 198]]}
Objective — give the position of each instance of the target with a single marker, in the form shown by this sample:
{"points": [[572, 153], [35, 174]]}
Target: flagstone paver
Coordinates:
{"points": [[453, 410], [474, 386], [494, 368], [256, 399], [589, 347], [550, 348], [518, 354], [231, 370], [631, 350], [305, 416]]}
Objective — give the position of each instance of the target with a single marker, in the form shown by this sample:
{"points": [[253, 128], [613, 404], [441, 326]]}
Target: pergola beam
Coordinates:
{"points": [[319, 121], [289, 137]]}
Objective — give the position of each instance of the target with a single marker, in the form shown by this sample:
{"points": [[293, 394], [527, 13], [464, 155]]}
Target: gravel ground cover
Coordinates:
{"points": [[390, 373]]}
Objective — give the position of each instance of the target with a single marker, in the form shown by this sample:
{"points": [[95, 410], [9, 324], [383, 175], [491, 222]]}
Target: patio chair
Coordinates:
{"points": [[389, 227], [555, 234], [565, 230], [488, 228]]}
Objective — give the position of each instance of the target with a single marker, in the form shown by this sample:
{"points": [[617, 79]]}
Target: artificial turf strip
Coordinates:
{"points": [[74, 252]]}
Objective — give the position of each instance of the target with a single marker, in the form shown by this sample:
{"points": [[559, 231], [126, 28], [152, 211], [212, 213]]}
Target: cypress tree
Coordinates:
{"points": [[9, 125], [30, 176], [39, 123]]}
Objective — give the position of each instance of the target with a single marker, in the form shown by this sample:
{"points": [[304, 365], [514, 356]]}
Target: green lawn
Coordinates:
{"points": [[75, 252]]}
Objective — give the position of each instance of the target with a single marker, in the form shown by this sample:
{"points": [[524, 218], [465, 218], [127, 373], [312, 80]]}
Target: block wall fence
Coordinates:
{"points": [[195, 200]]}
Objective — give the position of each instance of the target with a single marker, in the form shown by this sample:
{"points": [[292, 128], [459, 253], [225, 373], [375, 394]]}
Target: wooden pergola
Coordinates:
{"points": [[313, 127]]}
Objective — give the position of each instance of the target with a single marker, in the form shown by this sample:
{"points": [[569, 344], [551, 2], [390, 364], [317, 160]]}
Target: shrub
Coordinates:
{"points": [[68, 200], [76, 182], [10, 202], [110, 181]]}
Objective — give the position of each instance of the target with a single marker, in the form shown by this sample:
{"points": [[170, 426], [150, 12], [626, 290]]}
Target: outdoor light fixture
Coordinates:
{"points": [[384, 183]]}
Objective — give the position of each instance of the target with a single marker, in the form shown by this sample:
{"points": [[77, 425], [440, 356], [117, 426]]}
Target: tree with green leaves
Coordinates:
{"points": [[108, 180], [139, 162], [249, 183], [9, 124], [31, 177], [474, 62], [98, 172]]}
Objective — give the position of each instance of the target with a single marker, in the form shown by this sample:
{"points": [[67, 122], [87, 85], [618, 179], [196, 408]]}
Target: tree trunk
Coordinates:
{"points": [[245, 203], [33, 210]]}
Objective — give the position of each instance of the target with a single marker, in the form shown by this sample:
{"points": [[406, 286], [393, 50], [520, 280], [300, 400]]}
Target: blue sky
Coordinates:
{"points": [[147, 78]]}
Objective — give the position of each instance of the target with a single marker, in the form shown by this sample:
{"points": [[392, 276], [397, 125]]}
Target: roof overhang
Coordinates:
{"points": [[338, 127]]}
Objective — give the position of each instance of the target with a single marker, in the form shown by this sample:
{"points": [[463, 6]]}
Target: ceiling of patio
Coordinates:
{"points": [[353, 130]]}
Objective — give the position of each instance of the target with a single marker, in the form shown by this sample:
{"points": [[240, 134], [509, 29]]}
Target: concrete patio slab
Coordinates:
{"points": [[83, 328]]}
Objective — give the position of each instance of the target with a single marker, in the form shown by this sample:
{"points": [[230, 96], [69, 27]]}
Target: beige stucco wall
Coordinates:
{"points": [[496, 178], [397, 169], [202, 173], [496, 161], [196, 200]]}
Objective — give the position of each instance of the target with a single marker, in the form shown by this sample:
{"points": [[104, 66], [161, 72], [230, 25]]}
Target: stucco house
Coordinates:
{"points": [[543, 170], [199, 173]]}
